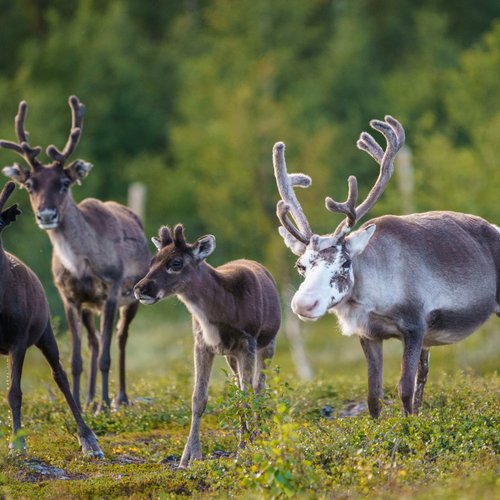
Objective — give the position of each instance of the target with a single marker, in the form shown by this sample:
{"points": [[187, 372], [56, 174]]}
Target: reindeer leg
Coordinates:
{"points": [[72, 316], [15, 396], [263, 355], [107, 320], [203, 360], [233, 365], [88, 321], [246, 366], [422, 372], [88, 441], [127, 314], [374, 357], [412, 347]]}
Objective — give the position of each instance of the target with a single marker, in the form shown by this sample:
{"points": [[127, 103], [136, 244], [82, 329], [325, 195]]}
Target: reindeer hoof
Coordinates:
{"points": [[90, 447], [118, 401], [103, 407], [17, 447], [190, 455]]}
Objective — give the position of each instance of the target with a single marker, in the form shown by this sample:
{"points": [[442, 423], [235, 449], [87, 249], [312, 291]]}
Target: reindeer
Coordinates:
{"points": [[235, 311], [24, 321], [427, 279], [99, 251]]}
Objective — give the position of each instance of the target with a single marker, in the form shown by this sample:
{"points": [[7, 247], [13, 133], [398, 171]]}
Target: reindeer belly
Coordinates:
{"points": [[449, 326], [87, 290]]}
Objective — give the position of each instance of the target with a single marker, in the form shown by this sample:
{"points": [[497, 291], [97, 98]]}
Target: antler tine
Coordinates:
{"points": [[282, 211], [395, 136], [23, 148], [19, 122], [290, 204], [348, 207], [77, 112], [6, 192]]}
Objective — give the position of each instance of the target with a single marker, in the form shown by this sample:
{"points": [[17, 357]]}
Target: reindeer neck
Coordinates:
{"points": [[73, 226], [73, 239], [209, 292]]}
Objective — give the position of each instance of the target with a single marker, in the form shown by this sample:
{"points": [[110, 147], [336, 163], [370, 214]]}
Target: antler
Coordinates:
{"points": [[6, 192], [395, 137], [22, 147], [77, 112], [289, 203]]}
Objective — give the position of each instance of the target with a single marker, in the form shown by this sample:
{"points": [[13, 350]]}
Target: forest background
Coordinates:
{"points": [[188, 97]]}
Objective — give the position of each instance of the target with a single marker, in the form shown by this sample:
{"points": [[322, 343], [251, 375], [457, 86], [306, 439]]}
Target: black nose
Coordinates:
{"points": [[47, 216], [143, 288]]}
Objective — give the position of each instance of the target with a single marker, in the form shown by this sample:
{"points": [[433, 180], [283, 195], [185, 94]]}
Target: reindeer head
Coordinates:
{"points": [[9, 214], [326, 262], [171, 271], [48, 185]]}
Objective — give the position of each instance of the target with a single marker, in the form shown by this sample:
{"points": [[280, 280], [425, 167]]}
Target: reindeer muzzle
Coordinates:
{"points": [[143, 294], [48, 218]]}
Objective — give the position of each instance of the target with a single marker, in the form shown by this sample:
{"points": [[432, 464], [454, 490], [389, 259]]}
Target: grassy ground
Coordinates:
{"points": [[306, 446]]}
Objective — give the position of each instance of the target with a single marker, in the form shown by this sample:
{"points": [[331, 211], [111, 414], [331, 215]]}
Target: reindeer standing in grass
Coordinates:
{"points": [[235, 310], [99, 251], [427, 279], [25, 321]]}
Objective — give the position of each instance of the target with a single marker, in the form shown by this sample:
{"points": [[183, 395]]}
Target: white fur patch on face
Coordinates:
{"points": [[327, 280]]}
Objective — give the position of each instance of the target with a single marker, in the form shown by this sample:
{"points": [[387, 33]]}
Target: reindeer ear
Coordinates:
{"points": [[9, 215], [203, 247], [296, 246], [16, 173], [156, 242], [357, 241], [77, 170]]}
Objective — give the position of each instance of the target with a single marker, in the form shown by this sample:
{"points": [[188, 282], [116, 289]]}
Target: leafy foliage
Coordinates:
{"points": [[189, 98], [452, 446]]}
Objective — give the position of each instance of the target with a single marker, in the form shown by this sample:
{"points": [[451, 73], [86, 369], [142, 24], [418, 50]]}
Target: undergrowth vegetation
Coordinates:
{"points": [[304, 443], [310, 439]]}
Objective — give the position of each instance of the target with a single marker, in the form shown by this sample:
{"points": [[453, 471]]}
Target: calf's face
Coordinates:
{"points": [[171, 271]]}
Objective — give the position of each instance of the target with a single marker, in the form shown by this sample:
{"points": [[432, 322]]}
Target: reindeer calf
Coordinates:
{"points": [[235, 310], [24, 321]]}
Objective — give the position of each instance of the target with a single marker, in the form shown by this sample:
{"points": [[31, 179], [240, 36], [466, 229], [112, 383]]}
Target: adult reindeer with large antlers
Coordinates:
{"points": [[25, 321], [427, 279], [99, 250]]}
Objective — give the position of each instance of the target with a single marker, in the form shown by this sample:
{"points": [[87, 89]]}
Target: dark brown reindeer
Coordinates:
{"points": [[99, 251], [25, 321], [235, 311], [427, 279]]}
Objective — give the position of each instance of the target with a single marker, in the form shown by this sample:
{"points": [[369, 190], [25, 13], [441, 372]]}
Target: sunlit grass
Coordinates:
{"points": [[450, 450]]}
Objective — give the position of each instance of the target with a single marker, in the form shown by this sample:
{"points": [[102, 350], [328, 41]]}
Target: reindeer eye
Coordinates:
{"points": [[300, 268], [65, 183], [28, 185], [346, 264], [176, 264]]}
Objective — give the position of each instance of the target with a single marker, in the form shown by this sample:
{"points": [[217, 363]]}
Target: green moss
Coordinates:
{"points": [[450, 450]]}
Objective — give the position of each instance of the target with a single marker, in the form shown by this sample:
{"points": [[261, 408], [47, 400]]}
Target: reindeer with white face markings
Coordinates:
{"points": [[99, 251], [25, 321], [235, 310], [427, 279]]}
